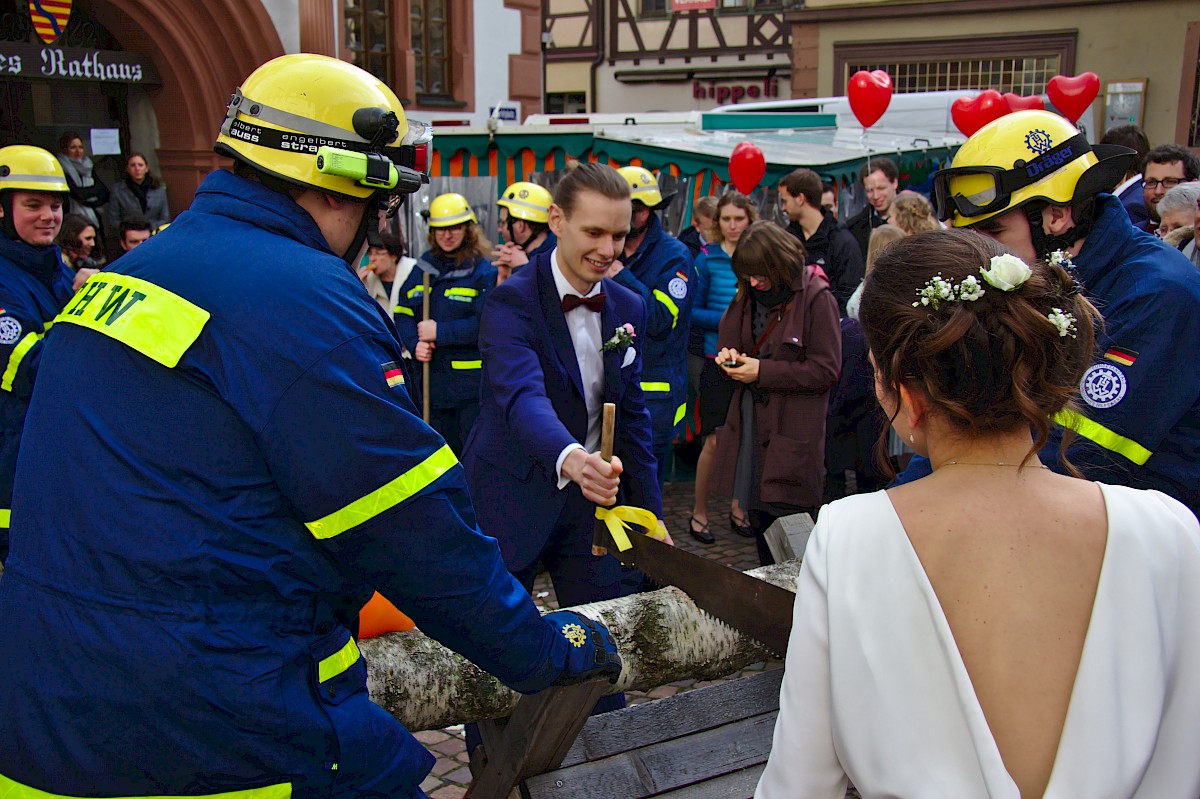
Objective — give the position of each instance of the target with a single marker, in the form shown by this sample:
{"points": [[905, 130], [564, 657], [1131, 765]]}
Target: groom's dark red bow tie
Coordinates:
{"points": [[592, 303]]}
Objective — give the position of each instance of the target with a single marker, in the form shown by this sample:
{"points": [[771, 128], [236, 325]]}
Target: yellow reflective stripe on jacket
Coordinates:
{"points": [[461, 291], [5, 518], [1098, 433], [338, 662], [466, 364], [16, 356], [671, 306], [656, 386], [680, 412], [404, 310], [389, 496], [148, 318], [416, 291], [11, 789]]}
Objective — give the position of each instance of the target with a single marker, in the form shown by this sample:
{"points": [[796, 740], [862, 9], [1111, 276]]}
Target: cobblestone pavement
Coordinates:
{"points": [[450, 775]]}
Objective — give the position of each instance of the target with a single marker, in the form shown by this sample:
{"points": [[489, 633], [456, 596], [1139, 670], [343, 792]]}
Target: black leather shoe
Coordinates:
{"points": [[741, 529], [702, 535]]}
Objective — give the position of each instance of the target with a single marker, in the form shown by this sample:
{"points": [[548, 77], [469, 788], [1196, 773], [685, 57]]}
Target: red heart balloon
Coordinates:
{"points": [[972, 113], [1018, 103], [1072, 96], [869, 93], [747, 166]]}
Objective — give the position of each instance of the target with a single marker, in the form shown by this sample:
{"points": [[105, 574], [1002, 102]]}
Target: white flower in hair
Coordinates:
{"points": [[1007, 272], [936, 290], [970, 289], [1065, 322]]}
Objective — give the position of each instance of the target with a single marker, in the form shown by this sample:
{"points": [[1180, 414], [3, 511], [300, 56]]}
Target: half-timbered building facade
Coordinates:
{"points": [[612, 56]]}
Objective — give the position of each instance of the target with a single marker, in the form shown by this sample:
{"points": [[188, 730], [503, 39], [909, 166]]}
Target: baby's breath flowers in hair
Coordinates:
{"points": [[970, 289], [1007, 272], [938, 290], [1065, 322]]}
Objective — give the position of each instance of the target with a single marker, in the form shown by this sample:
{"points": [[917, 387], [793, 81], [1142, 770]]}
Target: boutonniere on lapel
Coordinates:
{"points": [[623, 336]]}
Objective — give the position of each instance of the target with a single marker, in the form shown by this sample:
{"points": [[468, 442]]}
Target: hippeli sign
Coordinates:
{"points": [[19, 60]]}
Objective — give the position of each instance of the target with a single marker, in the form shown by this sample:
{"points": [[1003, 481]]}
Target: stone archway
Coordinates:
{"points": [[202, 51]]}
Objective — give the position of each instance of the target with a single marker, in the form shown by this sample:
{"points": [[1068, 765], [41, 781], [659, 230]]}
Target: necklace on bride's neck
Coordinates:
{"points": [[993, 463]]}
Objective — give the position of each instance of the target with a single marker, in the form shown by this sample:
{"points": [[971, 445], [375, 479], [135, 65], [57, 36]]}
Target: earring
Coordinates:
{"points": [[911, 440]]}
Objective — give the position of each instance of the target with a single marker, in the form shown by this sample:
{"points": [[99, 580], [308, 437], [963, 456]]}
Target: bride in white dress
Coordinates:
{"points": [[994, 629]]}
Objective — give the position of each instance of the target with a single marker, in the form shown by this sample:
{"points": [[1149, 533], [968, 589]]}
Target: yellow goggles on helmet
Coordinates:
{"points": [[972, 191]]}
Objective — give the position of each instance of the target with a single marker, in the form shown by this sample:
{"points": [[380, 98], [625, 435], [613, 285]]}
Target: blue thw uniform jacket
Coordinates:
{"points": [[456, 295], [1140, 399], [661, 271], [178, 623], [548, 245], [34, 286]]}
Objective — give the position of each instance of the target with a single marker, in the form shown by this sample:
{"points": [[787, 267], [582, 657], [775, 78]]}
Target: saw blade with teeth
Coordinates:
{"points": [[754, 607]]}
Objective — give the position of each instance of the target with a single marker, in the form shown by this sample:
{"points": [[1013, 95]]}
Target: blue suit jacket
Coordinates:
{"points": [[1134, 201], [531, 407]]}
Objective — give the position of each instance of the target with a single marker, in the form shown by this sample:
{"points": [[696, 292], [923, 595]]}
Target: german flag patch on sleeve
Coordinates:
{"points": [[393, 374], [1121, 355]]}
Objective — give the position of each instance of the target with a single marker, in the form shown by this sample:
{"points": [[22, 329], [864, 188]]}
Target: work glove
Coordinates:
{"points": [[591, 651]]}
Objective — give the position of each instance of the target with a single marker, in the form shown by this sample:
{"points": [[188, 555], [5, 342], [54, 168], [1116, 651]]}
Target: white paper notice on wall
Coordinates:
{"points": [[106, 141]]}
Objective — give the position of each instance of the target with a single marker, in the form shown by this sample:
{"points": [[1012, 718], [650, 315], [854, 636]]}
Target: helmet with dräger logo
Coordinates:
{"points": [[1020, 158]]}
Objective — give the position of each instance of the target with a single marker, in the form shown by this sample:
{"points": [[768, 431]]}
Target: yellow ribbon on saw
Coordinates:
{"points": [[618, 519]]}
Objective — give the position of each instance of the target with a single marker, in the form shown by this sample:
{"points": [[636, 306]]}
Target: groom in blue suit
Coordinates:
{"points": [[531, 460]]}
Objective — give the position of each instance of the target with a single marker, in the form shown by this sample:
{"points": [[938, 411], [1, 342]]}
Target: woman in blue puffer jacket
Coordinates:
{"points": [[715, 287]]}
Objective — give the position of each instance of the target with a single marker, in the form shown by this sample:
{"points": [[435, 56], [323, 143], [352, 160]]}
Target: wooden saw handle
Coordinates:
{"points": [[608, 417]]}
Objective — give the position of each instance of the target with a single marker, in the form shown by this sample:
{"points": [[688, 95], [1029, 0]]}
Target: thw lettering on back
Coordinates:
{"points": [[116, 303], [86, 295]]}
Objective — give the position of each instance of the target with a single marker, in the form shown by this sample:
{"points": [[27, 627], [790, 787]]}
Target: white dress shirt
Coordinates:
{"points": [[584, 327]]}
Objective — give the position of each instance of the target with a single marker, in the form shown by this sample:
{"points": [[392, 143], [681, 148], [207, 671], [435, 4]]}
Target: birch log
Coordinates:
{"points": [[662, 637]]}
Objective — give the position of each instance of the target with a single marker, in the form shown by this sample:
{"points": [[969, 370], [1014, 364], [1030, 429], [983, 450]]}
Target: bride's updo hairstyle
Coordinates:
{"points": [[988, 360]]}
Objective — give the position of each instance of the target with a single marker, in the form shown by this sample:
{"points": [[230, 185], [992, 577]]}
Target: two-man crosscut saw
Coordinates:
{"points": [[755, 607]]}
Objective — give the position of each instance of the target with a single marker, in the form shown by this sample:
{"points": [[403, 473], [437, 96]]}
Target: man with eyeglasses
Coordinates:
{"points": [[1167, 165]]}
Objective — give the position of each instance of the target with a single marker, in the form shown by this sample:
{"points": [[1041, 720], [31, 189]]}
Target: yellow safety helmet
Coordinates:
{"points": [[448, 210], [322, 123], [1022, 157], [643, 186], [27, 168], [528, 201]]}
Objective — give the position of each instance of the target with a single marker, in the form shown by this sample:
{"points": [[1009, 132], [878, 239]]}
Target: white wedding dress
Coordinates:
{"points": [[875, 687]]}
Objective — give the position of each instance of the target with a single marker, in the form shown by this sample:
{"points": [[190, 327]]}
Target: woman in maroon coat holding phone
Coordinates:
{"points": [[780, 341]]}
